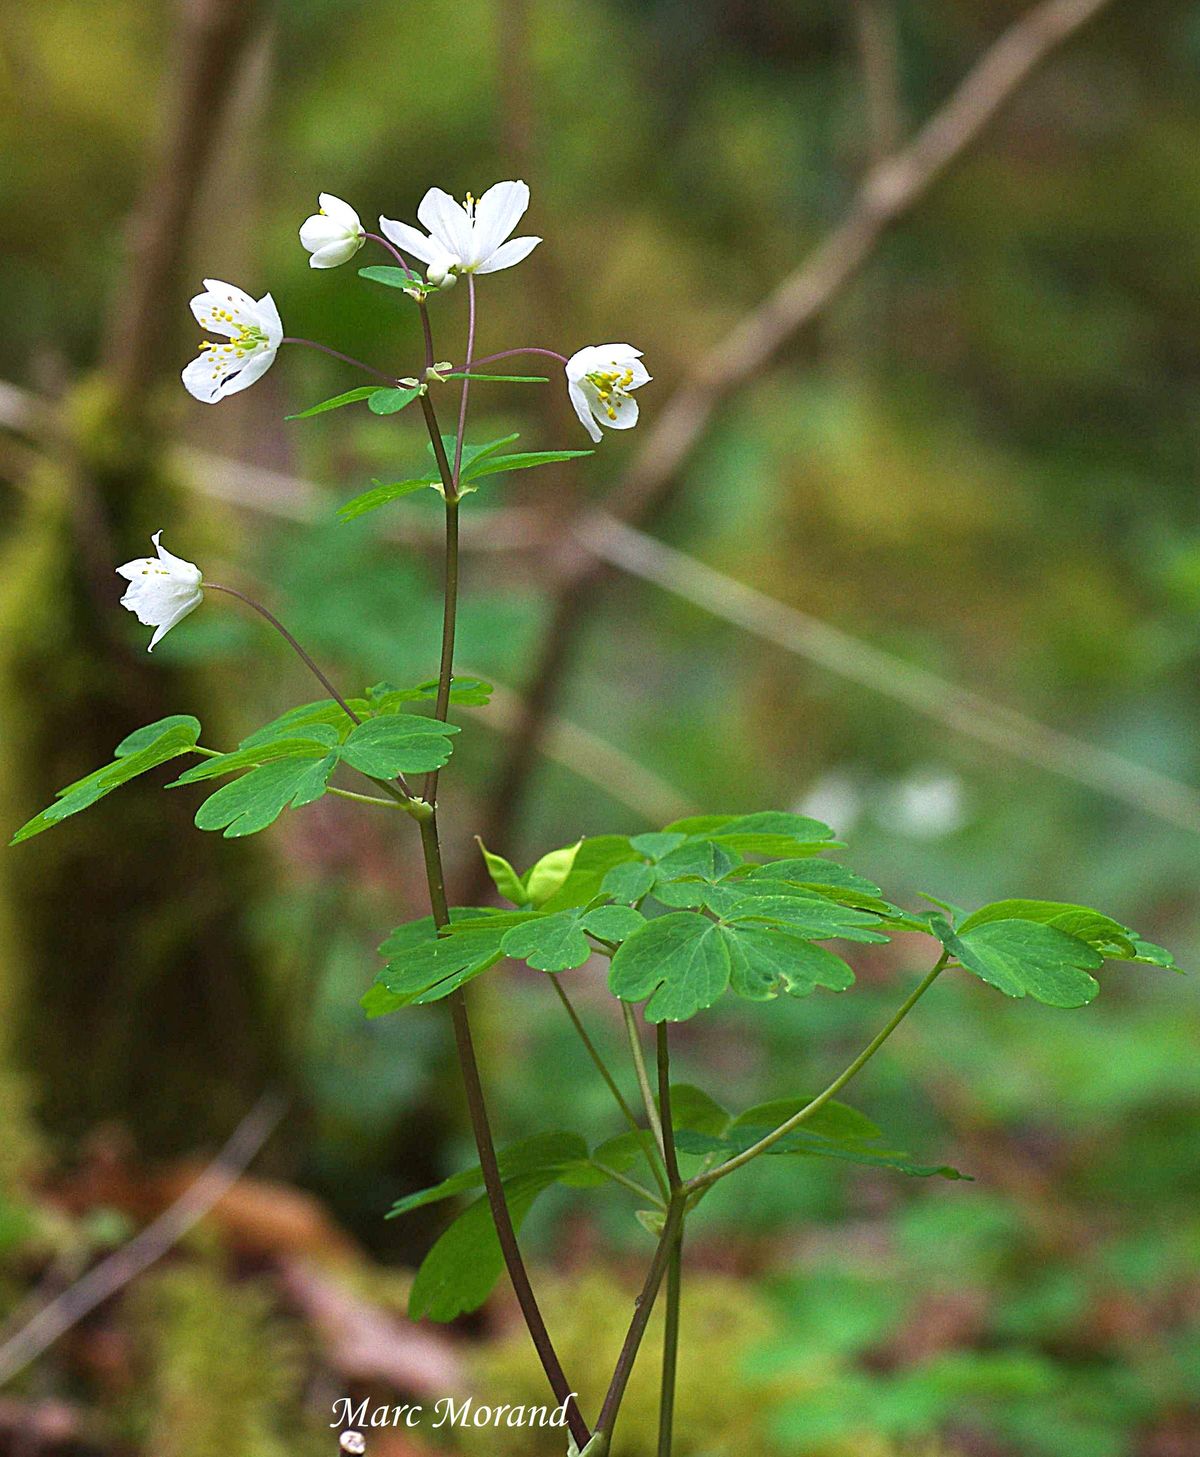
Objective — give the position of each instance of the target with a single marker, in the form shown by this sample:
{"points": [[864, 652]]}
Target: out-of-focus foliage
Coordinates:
{"points": [[983, 459]]}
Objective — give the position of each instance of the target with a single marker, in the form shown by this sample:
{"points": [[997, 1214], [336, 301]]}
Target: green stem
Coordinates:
{"points": [[362, 798], [670, 1357], [670, 1361], [463, 1041], [641, 1317], [631, 1184], [639, 1066], [703, 1181], [619, 1098]]}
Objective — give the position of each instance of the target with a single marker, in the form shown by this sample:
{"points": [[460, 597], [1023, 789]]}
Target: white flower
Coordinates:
{"points": [[599, 379], [333, 235], [254, 333], [466, 239], [162, 590]]}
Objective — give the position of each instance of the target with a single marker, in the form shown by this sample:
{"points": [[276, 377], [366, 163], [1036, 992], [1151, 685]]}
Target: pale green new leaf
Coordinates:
{"points": [[315, 743]]}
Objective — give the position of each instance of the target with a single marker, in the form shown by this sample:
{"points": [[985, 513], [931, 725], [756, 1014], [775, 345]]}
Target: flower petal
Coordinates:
{"points": [[581, 407], [200, 381], [340, 213], [318, 232], [447, 220], [497, 213], [409, 240], [255, 366], [627, 414], [507, 254], [181, 569], [165, 627], [270, 323]]}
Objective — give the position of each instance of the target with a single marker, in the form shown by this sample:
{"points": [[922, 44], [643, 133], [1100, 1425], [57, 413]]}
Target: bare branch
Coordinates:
{"points": [[890, 190], [66, 1310]]}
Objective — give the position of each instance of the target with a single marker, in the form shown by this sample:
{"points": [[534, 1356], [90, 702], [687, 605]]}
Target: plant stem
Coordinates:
{"points": [[639, 1065], [486, 1148], [402, 796], [466, 384], [641, 1317], [362, 798], [670, 1360], [631, 1184], [395, 252], [670, 1356], [464, 1043], [664, 1105], [345, 358], [703, 1181], [602, 1067], [531, 349]]}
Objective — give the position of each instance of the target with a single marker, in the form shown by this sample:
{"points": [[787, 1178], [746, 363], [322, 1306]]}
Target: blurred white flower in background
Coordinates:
{"points": [[251, 335], [836, 798], [162, 590], [465, 238], [333, 235], [926, 804]]}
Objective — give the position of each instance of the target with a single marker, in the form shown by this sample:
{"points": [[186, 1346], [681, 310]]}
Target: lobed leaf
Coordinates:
{"points": [[139, 752]]}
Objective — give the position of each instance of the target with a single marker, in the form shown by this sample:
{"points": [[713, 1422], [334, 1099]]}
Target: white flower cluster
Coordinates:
{"points": [[472, 237]]}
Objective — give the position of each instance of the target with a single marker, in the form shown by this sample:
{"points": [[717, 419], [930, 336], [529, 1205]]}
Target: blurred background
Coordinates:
{"points": [[964, 484]]}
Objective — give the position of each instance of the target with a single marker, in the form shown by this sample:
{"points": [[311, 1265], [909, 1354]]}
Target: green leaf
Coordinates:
{"points": [[657, 844], [399, 743], [430, 970], [832, 1120], [315, 744], [680, 962], [471, 453], [813, 916], [351, 397], [629, 882], [613, 923], [258, 798], [1101, 932], [555, 942], [384, 698], [395, 277], [548, 876], [297, 722], [811, 1144], [380, 496], [460, 1271], [501, 378], [494, 465], [504, 877], [765, 961], [1023, 958], [543, 1152], [142, 738], [769, 832], [178, 738], [390, 401], [692, 1108]]}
